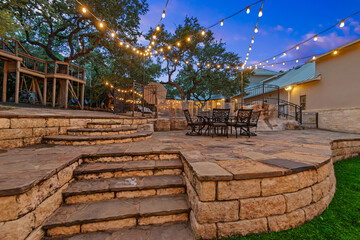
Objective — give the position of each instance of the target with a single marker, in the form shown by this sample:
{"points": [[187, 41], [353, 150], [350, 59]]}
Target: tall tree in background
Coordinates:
{"points": [[59, 26], [200, 62]]}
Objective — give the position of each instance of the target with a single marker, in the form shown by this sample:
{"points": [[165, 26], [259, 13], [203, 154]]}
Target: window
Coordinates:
{"points": [[303, 102]]}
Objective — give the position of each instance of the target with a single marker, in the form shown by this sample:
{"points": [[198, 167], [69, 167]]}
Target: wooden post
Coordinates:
{"points": [[54, 93], [82, 95], [45, 91], [5, 81], [17, 83], [66, 93]]}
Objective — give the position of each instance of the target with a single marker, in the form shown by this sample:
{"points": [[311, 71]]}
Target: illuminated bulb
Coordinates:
{"points": [[274, 58], [342, 24], [256, 30], [284, 53], [314, 57], [134, 49], [247, 54], [113, 34], [154, 36], [175, 60], [163, 14], [189, 39], [106, 83], [267, 61], [250, 48], [169, 47], [187, 62], [79, 43], [263, 66], [256, 67], [152, 43], [156, 52], [84, 10], [164, 58], [218, 66], [222, 23], [335, 52], [121, 43], [260, 63], [252, 40], [297, 60], [260, 13], [315, 38], [250, 67], [101, 24], [158, 28], [203, 32], [208, 64], [149, 47], [137, 51], [272, 65], [297, 47], [127, 45], [198, 64], [248, 10], [178, 44], [283, 63], [161, 49]]}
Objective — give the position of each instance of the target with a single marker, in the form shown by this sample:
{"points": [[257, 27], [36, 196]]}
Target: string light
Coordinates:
{"points": [[313, 57], [315, 38], [248, 10], [335, 52], [101, 24], [198, 64], [163, 14], [252, 40], [222, 23], [154, 36], [256, 30], [260, 13], [189, 39], [113, 34], [169, 47], [84, 10], [297, 60], [267, 60], [203, 32], [283, 63], [297, 47], [274, 58], [178, 44], [285, 53]]}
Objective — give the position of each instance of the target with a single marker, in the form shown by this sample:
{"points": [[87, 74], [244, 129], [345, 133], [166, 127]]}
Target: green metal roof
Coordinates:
{"points": [[264, 72]]}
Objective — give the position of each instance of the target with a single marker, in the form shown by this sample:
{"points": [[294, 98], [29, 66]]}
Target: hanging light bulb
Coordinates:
{"points": [[335, 52], [175, 60], [161, 49], [297, 47], [247, 54], [250, 67], [284, 53], [272, 65], [121, 43], [274, 58], [228, 67], [314, 57], [189, 39], [260, 13], [203, 32], [250, 48], [267, 61], [222, 23], [260, 63], [297, 60], [113, 34], [248, 10], [163, 14], [256, 30], [134, 49], [164, 58], [101, 24], [169, 47], [256, 67], [152, 43], [198, 64], [154, 36], [315, 38], [218, 66], [158, 28], [156, 52], [283, 63], [178, 44], [342, 23], [208, 64], [149, 47], [187, 62], [127, 45], [252, 40], [84, 10], [237, 68]]}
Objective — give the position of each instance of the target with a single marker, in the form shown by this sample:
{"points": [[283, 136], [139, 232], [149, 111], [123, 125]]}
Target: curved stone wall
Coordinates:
{"points": [[223, 208]]}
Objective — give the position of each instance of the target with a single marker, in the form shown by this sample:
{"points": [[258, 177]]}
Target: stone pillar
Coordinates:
{"points": [[5, 81], [45, 91], [66, 94], [82, 95], [54, 93], [17, 83]]}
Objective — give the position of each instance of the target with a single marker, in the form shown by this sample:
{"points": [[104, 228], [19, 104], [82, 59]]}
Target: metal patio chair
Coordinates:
{"points": [[242, 121], [219, 120], [196, 126]]}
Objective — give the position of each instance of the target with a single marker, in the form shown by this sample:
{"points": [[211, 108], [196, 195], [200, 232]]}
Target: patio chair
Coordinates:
{"points": [[205, 116], [220, 118], [254, 120], [242, 121], [193, 124]]}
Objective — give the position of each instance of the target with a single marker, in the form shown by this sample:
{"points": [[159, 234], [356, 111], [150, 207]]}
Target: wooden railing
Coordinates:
{"points": [[38, 65]]}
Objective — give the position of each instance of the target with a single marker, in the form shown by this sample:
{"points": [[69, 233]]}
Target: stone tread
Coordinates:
{"points": [[73, 214], [173, 231], [102, 129], [119, 184], [91, 168], [92, 138]]}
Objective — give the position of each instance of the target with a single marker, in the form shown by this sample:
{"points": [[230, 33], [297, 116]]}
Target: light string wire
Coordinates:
{"points": [[314, 37]]}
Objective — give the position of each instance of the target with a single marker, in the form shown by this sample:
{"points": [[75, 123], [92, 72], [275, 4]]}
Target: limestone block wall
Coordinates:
{"points": [[345, 148], [343, 120], [223, 208], [18, 131], [24, 211]]}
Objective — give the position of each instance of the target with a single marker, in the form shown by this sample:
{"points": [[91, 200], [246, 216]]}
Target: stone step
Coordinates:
{"points": [[101, 131], [134, 187], [116, 214], [96, 140], [169, 231], [98, 125], [128, 169]]}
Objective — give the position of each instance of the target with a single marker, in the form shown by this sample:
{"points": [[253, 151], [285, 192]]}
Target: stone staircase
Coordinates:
{"points": [[97, 133], [123, 198]]}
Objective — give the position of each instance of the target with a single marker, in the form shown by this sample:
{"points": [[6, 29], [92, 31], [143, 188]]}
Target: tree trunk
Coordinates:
{"points": [[61, 93]]}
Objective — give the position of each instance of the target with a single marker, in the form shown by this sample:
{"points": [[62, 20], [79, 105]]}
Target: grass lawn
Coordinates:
{"points": [[341, 220]]}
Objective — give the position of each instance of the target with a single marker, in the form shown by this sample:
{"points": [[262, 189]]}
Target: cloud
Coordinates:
{"points": [[279, 28], [289, 30]]}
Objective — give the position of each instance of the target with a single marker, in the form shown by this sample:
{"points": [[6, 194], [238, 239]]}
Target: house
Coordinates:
{"points": [[328, 86]]}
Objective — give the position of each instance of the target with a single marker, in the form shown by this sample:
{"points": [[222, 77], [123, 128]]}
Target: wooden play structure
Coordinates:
{"points": [[64, 77]]}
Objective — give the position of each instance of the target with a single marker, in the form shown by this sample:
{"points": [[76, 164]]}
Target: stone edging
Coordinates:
{"points": [[345, 148]]}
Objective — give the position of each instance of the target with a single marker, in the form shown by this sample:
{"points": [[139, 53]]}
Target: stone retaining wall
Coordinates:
{"points": [[22, 215], [22, 131], [345, 148], [223, 208]]}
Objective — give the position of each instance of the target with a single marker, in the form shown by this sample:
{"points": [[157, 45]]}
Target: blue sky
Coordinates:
{"points": [[284, 24]]}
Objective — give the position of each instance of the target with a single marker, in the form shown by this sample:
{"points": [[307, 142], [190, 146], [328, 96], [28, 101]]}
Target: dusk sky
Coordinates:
{"points": [[284, 24]]}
